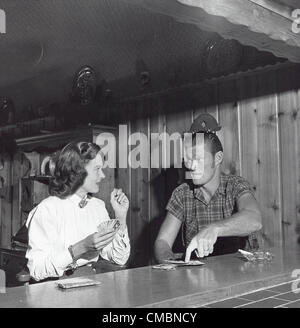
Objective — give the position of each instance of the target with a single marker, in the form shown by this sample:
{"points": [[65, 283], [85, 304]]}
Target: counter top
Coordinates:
{"points": [[221, 277]]}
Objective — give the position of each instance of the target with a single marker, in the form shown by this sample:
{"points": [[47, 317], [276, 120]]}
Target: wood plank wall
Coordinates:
{"points": [[15, 167], [260, 116]]}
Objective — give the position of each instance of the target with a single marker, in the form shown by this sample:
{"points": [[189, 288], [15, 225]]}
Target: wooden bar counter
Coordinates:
{"points": [[221, 277]]}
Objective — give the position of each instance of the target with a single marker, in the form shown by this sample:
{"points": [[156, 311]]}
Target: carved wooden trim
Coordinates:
{"points": [[252, 22]]}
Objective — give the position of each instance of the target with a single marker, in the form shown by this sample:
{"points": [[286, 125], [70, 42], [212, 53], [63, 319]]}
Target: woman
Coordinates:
{"points": [[64, 229]]}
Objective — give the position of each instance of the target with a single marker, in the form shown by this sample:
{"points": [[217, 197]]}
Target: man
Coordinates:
{"points": [[219, 212]]}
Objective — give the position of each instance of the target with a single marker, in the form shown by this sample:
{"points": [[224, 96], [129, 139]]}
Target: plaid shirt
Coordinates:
{"points": [[188, 205]]}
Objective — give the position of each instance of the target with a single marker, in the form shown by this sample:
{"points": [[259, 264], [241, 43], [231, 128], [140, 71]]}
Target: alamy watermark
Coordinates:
{"points": [[2, 21], [157, 150], [296, 22]]}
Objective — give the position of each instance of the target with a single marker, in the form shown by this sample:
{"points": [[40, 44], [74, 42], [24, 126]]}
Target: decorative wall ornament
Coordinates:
{"points": [[142, 72], [222, 56], [7, 112], [84, 86], [48, 166], [145, 78]]}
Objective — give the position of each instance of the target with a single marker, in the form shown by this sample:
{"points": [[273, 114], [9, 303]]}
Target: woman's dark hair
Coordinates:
{"points": [[70, 172]]}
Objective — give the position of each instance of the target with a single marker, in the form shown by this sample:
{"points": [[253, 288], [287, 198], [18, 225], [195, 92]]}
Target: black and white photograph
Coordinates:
{"points": [[149, 157]]}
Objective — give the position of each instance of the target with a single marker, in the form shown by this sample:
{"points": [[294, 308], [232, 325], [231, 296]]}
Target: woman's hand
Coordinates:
{"points": [[98, 240], [120, 205], [92, 244]]}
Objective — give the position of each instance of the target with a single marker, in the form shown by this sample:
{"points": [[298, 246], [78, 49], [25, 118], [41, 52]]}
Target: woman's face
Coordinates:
{"points": [[94, 175]]}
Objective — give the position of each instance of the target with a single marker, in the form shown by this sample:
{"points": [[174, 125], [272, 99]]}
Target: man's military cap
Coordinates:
{"points": [[205, 123]]}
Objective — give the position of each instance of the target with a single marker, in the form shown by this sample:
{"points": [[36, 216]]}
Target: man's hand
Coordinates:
{"points": [[203, 242], [120, 203], [163, 251]]}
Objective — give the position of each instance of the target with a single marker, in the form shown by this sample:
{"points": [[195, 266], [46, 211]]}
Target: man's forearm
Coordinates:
{"points": [[162, 251], [240, 224]]}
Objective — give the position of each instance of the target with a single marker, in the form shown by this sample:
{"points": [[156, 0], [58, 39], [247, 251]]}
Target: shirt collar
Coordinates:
{"points": [[221, 189], [75, 199]]}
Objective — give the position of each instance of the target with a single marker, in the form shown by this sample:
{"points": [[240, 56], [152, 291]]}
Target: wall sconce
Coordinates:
{"points": [[84, 85]]}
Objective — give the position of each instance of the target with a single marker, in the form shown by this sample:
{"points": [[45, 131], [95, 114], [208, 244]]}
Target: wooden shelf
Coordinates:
{"points": [[58, 139], [25, 123]]}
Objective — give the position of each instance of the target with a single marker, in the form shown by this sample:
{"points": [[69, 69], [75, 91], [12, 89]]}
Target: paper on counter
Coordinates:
{"points": [[77, 282], [183, 263], [257, 255], [163, 266]]}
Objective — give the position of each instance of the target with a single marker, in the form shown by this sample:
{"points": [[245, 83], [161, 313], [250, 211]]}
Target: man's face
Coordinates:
{"points": [[200, 163], [94, 175]]}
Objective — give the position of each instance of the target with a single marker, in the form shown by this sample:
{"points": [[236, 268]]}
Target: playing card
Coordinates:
{"points": [[108, 226], [77, 282], [164, 267], [183, 263]]}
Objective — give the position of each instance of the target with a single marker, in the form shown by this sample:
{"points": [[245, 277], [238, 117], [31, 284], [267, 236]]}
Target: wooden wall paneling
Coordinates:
{"points": [[123, 175], [19, 168], [202, 95], [140, 194], [1, 217], [229, 120], [289, 115], [208, 101], [6, 204], [25, 169], [213, 107], [269, 188], [247, 89], [2, 172], [157, 173], [176, 122], [297, 136]]}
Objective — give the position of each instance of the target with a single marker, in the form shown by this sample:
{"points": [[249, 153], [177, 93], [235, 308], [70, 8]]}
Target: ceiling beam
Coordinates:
{"points": [[274, 7], [291, 3], [264, 24]]}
